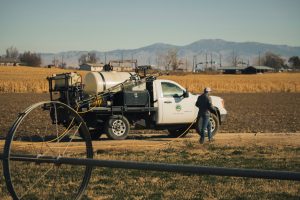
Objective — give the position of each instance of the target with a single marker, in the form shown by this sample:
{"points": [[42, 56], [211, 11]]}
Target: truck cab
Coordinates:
{"points": [[176, 106]]}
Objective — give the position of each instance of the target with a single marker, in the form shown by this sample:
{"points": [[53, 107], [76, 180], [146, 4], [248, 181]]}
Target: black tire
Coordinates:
{"points": [[117, 127], [96, 134], [179, 132], [215, 125]]}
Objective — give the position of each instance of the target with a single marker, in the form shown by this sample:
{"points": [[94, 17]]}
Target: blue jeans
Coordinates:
{"points": [[205, 125]]}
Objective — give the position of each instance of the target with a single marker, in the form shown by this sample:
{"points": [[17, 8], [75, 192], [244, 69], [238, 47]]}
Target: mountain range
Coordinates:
{"points": [[215, 50]]}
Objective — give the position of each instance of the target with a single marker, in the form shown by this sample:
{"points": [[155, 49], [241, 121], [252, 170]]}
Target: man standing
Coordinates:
{"points": [[205, 107]]}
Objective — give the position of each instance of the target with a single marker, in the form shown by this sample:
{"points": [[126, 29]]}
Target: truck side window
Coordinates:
{"points": [[171, 90]]}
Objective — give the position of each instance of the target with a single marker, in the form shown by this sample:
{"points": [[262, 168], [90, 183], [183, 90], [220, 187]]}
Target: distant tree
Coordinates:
{"points": [[171, 59], [82, 59], [294, 62], [12, 52], [31, 59], [90, 57], [55, 61], [272, 60]]}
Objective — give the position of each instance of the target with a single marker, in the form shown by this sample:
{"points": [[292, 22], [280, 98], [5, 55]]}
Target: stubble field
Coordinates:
{"points": [[32, 79]]}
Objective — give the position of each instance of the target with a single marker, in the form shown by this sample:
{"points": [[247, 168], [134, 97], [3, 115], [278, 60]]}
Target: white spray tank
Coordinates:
{"points": [[96, 82]]}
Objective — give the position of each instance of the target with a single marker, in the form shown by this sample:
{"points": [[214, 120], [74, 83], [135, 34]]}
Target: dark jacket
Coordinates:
{"points": [[204, 104]]}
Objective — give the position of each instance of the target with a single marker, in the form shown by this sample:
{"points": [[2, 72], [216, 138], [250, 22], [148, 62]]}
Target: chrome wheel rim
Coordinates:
{"points": [[119, 127]]}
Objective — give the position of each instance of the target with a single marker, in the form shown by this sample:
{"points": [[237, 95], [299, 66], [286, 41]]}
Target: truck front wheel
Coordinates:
{"points": [[214, 124], [117, 127]]}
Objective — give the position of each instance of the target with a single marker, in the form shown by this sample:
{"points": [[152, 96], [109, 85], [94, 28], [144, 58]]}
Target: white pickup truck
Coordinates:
{"points": [[124, 102], [177, 106]]}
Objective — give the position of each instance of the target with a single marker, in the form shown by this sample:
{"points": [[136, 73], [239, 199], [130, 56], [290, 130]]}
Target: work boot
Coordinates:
{"points": [[201, 140]]}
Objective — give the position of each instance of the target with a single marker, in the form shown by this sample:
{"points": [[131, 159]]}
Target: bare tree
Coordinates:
{"points": [[294, 62], [90, 57], [12, 52], [31, 59], [272, 60], [82, 59], [55, 61], [171, 59]]}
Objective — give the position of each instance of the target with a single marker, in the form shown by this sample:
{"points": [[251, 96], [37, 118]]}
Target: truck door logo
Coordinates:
{"points": [[178, 108]]}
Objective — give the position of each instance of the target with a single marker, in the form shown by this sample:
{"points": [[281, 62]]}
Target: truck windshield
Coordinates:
{"points": [[171, 90]]}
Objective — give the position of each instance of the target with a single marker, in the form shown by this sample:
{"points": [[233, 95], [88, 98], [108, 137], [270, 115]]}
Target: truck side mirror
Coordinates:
{"points": [[186, 94]]}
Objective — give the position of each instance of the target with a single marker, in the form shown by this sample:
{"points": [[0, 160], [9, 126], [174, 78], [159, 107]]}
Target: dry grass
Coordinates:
{"points": [[30, 79], [275, 82], [27, 79], [263, 151]]}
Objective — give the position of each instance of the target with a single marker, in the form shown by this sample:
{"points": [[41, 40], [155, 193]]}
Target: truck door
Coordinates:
{"points": [[173, 107]]}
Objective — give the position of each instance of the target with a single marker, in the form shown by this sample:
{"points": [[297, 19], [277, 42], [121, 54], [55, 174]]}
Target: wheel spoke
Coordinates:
{"points": [[76, 131], [38, 181]]}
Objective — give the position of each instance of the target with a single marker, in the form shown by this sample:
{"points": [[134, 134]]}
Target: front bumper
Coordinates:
{"points": [[223, 117]]}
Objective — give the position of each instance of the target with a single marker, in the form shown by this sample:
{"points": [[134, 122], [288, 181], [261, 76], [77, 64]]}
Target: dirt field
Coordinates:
{"points": [[247, 113]]}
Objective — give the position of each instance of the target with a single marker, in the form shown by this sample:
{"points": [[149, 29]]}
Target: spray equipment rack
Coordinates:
{"points": [[71, 90]]}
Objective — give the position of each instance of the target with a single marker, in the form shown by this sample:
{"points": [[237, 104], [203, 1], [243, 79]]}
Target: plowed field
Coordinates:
{"points": [[247, 113]]}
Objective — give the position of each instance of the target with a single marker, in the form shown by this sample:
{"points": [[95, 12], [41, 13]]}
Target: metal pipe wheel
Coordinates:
{"points": [[47, 129]]}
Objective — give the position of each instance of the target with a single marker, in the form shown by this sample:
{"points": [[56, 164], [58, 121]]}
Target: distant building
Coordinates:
{"points": [[91, 67], [123, 65], [114, 65], [246, 70], [9, 61], [257, 69], [232, 70]]}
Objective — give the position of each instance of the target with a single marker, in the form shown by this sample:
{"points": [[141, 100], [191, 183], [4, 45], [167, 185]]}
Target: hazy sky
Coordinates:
{"points": [[62, 25]]}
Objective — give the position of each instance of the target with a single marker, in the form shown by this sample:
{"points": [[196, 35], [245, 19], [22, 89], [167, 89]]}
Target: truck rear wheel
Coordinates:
{"points": [[179, 132], [117, 127], [214, 124]]}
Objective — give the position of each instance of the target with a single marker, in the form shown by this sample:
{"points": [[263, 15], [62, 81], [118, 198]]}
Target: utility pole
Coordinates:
{"points": [[220, 60], [62, 61], [186, 62], [194, 67], [211, 61], [122, 57], [259, 58], [205, 61]]}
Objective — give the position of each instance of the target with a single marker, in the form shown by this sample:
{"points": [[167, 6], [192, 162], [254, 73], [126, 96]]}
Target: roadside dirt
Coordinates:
{"points": [[150, 141], [140, 142]]}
